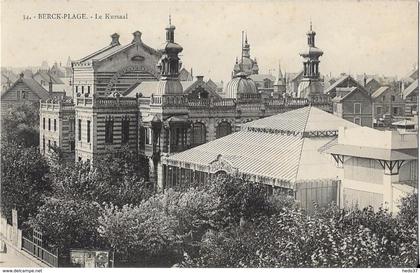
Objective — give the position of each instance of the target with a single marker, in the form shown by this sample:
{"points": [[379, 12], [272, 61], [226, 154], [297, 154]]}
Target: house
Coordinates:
{"points": [[410, 97], [353, 104], [377, 167], [388, 105], [371, 85], [344, 81], [25, 90]]}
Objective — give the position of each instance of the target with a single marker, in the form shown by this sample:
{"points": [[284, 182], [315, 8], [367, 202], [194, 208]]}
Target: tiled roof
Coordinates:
{"points": [[411, 88], [34, 86], [379, 91]]}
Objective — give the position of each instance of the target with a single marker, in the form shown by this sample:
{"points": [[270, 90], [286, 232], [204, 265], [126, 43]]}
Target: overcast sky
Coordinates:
{"points": [[375, 37]]}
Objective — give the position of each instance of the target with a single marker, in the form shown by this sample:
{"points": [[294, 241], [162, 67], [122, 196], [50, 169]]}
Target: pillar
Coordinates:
{"points": [[388, 180]]}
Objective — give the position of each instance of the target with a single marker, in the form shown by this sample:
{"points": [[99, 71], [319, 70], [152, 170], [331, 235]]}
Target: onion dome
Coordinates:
{"points": [[240, 84]]}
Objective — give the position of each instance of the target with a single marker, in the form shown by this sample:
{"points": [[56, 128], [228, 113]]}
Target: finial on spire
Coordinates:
{"points": [[170, 22], [246, 38], [310, 24]]}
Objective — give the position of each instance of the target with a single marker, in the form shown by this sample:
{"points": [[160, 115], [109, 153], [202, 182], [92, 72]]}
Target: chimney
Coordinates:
{"points": [[199, 78], [115, 39], [21, 75], [136, 37]]}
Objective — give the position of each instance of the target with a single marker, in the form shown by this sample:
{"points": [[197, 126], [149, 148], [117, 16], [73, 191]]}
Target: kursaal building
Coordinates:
{"points": [[132, 95]]}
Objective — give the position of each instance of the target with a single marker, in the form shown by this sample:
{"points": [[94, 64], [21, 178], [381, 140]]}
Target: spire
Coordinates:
{"points": [[170, 31]]}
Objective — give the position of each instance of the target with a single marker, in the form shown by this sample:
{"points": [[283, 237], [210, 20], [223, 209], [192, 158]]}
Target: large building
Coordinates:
{"points": [[132, 95], [281, 152]]}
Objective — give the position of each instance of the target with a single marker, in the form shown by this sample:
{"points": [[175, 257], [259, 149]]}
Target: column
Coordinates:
{"points": [[388, 180]]}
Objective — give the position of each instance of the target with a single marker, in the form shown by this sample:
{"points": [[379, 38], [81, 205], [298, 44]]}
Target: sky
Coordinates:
{"points": [[372, 37]]}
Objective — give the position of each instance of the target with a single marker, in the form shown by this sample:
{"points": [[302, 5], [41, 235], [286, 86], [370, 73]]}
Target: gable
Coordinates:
{"points": [[357, 95], [13, 93]]}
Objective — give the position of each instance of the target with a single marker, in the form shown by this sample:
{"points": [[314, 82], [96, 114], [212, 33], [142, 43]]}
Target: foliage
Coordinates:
{"points": [[113, 179], [329, 238], [67, 223], [23, 180], [20, 125]]}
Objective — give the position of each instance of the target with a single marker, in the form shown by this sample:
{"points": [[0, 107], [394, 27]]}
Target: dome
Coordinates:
{"points": [[311, 51], [240, 84], [172, 47], [169, 86]]}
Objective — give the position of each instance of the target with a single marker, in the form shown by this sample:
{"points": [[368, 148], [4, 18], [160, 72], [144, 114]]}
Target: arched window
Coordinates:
{"points": [[223, 129], [198, 134]]}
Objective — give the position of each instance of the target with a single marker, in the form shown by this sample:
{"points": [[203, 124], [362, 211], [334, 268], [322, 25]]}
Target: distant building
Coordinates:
{"points": [[410, 96], [388, 105], [184, 75], [353, 104], [49, 81], [245, 64], [371, 85], [344, 81], [377, 167], [25, 90]]}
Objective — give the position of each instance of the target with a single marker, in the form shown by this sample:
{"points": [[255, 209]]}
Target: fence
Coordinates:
{"points": [[321, 192], [39, 252]]}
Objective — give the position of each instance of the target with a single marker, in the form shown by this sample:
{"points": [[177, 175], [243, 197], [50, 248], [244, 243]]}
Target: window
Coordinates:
{"points": [[71, 125], [88, 131], [357, 120], [71, 145], [77, 88], [43, 123], [148, 135], [109, 130], [55, 144], [80, 129], [395, 110], [18, 94], [49, 144], [198, 134], [125, 128], [379, 110], [223, 129], [392, 98], [23, 95], [88, 91], [55, 125], [83, 89], [357, 108], [43, 143], [49, 124]]}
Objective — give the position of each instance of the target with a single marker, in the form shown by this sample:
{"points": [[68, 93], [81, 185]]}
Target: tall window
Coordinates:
{"points": [[71, 125], [79, 125], [223, 129], [23, 94], [83, 89], [198, 134], [71, 145], [379, 110], [357, 108], [148, 135], [77, 88], [88, 91], [125, 128], [392, 98], [49, 144], [43, 143], [55, 125], [43, 123], [88, 131], [109, 130], [49, 124]]}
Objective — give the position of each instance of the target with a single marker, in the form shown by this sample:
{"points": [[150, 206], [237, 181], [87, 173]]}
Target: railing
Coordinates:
{"points": [[39, 252]]}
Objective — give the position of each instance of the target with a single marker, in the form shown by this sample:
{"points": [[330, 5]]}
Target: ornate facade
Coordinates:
{"points": [[167, 116]]}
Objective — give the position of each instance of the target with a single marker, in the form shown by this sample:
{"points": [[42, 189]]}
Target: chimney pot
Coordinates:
{"points": [[200, 78], [115, 39], [137, 37]]}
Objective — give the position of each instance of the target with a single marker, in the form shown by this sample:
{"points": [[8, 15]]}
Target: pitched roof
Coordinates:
{"points": [[411, 88], [306, 119], [184, 75], [33, 85], [48, 76], [339, 81], [199, 83], [379, 91], [281, 156], [340, 98]]}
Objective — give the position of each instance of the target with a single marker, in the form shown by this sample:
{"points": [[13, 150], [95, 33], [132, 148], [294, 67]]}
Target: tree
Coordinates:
{"points": [[20, 125], [67, 223], [23, 180]]}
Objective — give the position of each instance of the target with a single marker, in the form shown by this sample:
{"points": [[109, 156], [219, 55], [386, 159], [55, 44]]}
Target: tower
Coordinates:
{"points": [[311, 82], [280, 85], [245, 64]]}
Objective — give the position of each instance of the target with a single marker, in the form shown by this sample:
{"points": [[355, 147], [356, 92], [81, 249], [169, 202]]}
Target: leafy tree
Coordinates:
{"points": [[67, 223], [20, 125], [23, 180]]}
